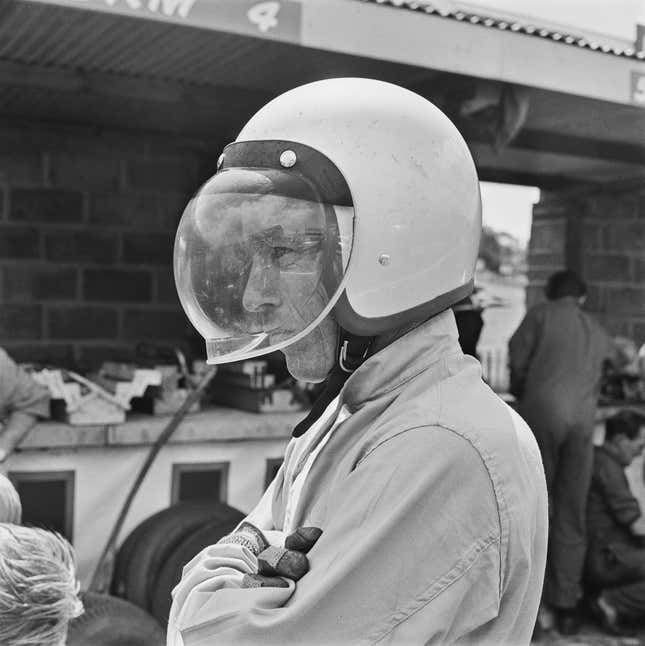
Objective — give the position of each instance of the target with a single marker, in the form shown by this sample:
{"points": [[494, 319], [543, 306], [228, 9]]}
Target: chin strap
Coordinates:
{"points": [[352, 351]]}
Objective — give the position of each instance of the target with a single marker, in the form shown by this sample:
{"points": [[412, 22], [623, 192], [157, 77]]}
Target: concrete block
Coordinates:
{"points": [[613, 206], [138, 211], [42, 282], [171, 208], [116, 285], [155, 324], [45, 205], [148, 248], [85, 322], [19, 242], [21, 322], [548, 236], [169, 174], [626, 235], [553, 261], [81, 246], [165, 290], [21, 167], [595, 299], [85, 172], [638, 271], [625, 300], [607, 268]]}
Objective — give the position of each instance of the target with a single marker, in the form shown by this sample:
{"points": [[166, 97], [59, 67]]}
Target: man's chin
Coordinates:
{"points": [[311, 358], [303, 368]]}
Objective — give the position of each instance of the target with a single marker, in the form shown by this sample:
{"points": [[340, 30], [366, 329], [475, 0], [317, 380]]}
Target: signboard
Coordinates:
{"points": [[638, 88], [278, 20]]}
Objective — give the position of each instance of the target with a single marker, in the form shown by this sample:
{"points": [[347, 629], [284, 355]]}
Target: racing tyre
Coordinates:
{"points": [[170, 572], [108, 621], [153, 542]]}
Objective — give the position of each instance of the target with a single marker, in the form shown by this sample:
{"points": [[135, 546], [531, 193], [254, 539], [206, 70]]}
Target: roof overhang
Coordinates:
{"points": [[200, 67]]}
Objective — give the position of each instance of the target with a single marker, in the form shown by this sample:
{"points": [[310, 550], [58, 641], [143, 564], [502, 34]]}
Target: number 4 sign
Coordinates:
{"points": [[264, 15]]}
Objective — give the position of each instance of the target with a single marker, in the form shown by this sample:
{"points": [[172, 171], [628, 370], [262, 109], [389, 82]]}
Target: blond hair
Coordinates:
{"points": [[38, 587], [10, 507]]}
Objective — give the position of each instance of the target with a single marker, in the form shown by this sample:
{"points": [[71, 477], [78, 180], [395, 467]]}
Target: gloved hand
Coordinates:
{"points": [[275, 562]]}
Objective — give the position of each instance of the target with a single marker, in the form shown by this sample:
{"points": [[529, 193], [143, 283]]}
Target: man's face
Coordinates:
{"points": [[284, 293], [630, 448], [251, 254]]}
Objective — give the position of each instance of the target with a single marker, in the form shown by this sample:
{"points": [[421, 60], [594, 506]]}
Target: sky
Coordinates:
{"points": [[614, 18], [508, 208]]}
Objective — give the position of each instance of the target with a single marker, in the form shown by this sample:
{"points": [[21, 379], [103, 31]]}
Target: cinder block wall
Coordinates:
{"points": [[601, 234], [87, 221]]}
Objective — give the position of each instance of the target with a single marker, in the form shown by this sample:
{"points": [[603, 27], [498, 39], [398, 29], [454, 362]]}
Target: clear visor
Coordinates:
{"points": [[259, 261]]}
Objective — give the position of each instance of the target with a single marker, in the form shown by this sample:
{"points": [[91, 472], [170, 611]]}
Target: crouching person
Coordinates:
{"points": [[38, 587], [615, 564]]}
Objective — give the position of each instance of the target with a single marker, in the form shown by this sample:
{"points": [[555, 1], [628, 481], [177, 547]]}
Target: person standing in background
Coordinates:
{"points": [[556, 358], [22, 403]]}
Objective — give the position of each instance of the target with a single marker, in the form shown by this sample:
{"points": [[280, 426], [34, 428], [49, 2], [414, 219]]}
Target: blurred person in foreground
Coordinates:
{"points": [[556, 358], [615, 565], [10, 506], [411, 506], [22, 402], [38, 587]]}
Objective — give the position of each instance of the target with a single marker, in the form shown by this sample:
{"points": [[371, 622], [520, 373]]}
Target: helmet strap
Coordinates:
{"points": [[351, 352]]}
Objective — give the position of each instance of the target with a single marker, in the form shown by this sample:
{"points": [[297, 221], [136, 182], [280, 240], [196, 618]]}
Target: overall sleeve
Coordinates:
{"points": [[409, 548], [222, 567], [521, 348], [19, 392]]}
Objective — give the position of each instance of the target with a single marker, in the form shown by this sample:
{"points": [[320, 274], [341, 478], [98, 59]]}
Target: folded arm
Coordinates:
{"points": [[412, 529]]}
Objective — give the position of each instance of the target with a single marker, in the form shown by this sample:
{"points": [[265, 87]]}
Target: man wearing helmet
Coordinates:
{"points": [[340, 227]]}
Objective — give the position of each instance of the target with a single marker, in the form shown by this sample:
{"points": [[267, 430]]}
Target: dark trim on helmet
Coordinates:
{"points": [[310, 164], [349, 320]]}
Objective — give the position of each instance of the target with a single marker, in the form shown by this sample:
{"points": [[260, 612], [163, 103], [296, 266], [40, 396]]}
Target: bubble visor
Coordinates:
{"points": [[262, 248]]}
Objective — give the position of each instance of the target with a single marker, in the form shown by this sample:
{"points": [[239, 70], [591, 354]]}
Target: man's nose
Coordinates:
{"points": [[262, 288]]}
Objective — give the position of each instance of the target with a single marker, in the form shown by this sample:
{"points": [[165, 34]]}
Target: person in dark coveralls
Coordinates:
{"points": [[615, 566], [556, 357], [341, 226], [470, 323]]}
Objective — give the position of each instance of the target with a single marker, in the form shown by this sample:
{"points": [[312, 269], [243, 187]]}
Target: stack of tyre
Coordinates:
{"points": [[147, 567]]}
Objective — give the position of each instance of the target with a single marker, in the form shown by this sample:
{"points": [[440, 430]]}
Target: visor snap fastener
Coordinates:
{"points": [[384, 259], [220, 161], [288, 159]]}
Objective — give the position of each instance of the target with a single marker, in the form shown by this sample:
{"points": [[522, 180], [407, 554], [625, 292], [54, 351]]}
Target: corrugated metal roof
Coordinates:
{"points": [[517, 26], [47, 35]]}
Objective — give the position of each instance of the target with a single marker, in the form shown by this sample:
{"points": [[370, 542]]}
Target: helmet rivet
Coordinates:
{"points": [[220, 161], [384, 259], [288, 159]]}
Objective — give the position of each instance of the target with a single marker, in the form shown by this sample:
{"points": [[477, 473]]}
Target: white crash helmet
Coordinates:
{"points": [[347, 196]]}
